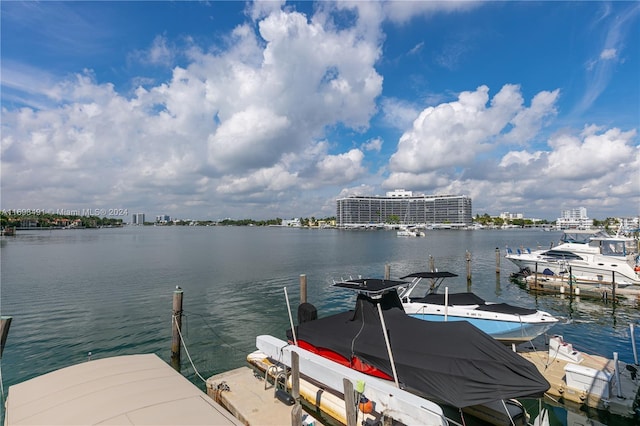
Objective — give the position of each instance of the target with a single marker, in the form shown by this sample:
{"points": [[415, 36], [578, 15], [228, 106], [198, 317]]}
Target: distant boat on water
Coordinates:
{"points": [[410, 231], [9, 231]]}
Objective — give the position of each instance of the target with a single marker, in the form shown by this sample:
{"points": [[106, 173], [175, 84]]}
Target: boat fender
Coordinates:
{"points": [[285, 397], [365, 405]]}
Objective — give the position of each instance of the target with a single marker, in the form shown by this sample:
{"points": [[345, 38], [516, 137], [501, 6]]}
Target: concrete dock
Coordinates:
{"points": [[605, 291], [245, 395], [585, 379]]}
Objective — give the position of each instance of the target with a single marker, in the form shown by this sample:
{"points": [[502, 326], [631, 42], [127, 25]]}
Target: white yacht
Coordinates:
{"points": [[410, 231], [586, 256]]}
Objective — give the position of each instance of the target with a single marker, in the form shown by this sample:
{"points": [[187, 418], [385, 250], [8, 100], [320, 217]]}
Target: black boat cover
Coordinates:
{"points": [[460, 299], [466, 299], [450, 362]]}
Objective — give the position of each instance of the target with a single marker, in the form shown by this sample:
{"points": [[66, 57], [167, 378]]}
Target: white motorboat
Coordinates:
{"points": [[453, 364], [506, 323], [410, 232], [585, 256]]}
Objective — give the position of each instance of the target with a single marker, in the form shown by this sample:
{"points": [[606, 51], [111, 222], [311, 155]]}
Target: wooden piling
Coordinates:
{"points": [[570, 282], [303, 288], [387, 272], [176, 321], [5, 324], [296, 411], [468, 257], [498, 260], [613, 286], [432, 268], [349, 402]]}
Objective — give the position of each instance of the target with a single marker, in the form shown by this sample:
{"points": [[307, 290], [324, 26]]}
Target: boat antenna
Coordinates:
{"points": [[293, 329], [386, 340]]}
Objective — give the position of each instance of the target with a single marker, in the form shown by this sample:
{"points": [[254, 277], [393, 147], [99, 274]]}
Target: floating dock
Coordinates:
{"points": [[245, 395], [541, 283], [591, 380]]}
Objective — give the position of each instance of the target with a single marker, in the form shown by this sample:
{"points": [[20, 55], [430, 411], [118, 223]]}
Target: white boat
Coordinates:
{"points": [[504, 322], [585, 256], [410, 232], [389, 400], [453, 364]]}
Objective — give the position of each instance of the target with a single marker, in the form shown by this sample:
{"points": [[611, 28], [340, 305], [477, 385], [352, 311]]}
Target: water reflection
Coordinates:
{"points": [[109, 291]]}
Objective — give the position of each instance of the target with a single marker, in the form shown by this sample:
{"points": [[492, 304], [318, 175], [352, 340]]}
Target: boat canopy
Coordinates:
{"points": [[373, 286], [581, 236], [436, 280], [615, 246], [449, 362]]}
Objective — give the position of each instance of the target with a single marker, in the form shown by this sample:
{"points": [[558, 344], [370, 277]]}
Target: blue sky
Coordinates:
{"points": [[209, 110]]}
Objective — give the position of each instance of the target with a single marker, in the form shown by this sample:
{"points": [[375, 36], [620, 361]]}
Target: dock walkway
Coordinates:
{"points": [[587, 379], [245, 395], [540, 283]]}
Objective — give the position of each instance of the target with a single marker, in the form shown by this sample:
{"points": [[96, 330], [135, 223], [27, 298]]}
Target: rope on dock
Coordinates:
{"points": [[184, 345], [550, 360]]}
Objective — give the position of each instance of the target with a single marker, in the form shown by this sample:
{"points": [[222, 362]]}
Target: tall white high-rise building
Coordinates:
{"points": [[574, 219], [138, 219]]}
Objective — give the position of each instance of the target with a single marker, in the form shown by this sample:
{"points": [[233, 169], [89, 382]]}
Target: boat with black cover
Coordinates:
{"points": [[452, 363]]}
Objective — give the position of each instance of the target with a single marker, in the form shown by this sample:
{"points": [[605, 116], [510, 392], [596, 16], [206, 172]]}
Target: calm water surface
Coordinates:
{"points": [[109, 291]]}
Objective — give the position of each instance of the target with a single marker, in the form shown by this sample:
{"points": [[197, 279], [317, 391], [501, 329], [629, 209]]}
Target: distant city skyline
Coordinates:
{"points": [[260, 110]]}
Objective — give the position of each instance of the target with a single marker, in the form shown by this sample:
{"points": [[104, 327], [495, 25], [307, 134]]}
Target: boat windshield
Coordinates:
{"points": [[612, 247], [581, 236], [562, 255]]}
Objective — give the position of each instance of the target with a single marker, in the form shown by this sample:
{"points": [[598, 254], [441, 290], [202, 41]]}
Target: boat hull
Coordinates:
{"points": [[621, 274], [504, 331]]}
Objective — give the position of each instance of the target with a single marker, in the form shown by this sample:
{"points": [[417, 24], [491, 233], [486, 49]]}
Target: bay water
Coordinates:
{"points": [[96, 293]]}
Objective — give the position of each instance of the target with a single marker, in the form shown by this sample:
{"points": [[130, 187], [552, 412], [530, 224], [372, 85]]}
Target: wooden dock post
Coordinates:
{"points": [[176, 327], [613, 286], [5, 324], [387, 271], [632, 333], [468, 257], [303, 288], [296, 411], [432, 268], [498, 260], [349, 402], [570, 282]]}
